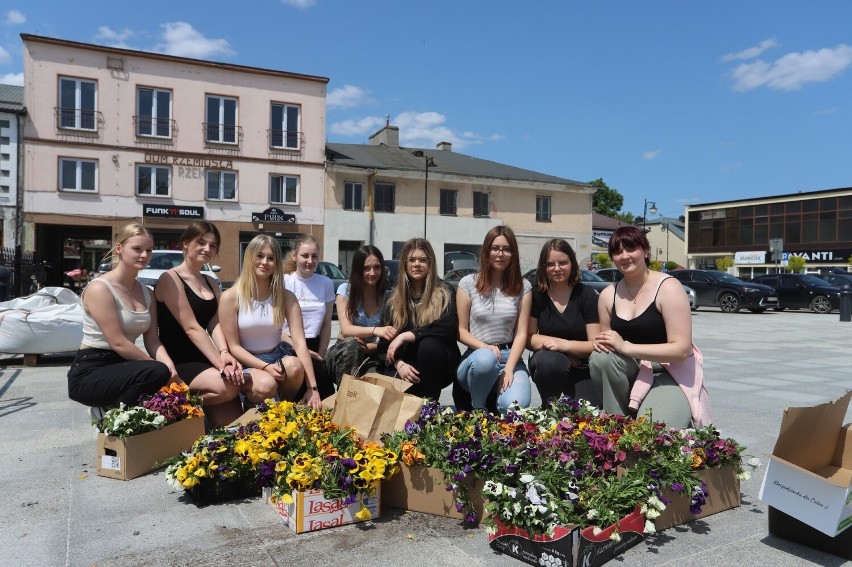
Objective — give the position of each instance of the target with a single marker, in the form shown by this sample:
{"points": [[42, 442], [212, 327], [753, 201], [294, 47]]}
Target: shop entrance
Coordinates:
{"points": [[66, 248]]}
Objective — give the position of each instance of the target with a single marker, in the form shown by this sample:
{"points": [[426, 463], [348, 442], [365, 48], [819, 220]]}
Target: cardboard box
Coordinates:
{"points": [[134, 456], [723, 489], [311, 511], [414, 488], [809, 474], [790, 528], [570, 546]]}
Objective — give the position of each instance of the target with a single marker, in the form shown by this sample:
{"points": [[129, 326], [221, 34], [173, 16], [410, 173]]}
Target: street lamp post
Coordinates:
{"points": [[645, 211], [430, 162]]}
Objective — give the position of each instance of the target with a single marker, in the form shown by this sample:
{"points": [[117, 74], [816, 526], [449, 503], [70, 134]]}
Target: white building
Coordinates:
{"points": [[12, 114]]}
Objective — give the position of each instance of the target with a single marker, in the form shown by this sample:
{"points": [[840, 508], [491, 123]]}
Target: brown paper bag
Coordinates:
{"points": [[375, 404]]}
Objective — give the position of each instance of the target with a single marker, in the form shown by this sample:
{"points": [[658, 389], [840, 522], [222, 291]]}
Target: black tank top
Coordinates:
{"points": [[174, 338], [648, 328]]}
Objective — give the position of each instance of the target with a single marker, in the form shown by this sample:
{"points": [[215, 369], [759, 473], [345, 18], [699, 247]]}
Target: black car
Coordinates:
{"points": [[838, 279], [802, 291], [453, 277], [588, 278], [610, 274], [730, 294]]}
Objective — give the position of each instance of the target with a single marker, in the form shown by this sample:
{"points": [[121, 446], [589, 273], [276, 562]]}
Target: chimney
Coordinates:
{"points": [[388, 136], [445, 146]]}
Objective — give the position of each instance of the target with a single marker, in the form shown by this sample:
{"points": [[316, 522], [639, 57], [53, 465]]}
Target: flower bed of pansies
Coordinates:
{"points": [[289, 447], [565, 464], [172, 403]]}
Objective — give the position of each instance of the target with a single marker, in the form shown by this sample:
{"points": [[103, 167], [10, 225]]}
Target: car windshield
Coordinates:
{"points": [[587, 276], [813, 280], [724, 277], [334, 272]]}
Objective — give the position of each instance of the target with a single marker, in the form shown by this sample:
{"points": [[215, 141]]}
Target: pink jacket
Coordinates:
{"points": [[689, 375]]}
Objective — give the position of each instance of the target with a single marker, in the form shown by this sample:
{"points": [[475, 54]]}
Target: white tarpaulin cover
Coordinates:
{"points": [[48, 321]]}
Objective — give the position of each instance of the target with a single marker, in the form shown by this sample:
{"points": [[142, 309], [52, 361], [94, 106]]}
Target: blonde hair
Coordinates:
{"points": [[246, 284], [435, 299], [127, 232], [290, 263]]}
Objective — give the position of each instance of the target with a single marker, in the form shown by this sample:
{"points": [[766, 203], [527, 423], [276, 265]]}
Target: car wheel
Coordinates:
{"points": [[821, 304], [779, 308], [729, 303], [758, 310]]}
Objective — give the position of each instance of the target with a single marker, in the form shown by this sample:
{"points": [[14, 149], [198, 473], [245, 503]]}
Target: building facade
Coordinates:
{"points": [[115, 135], [12, 113], [760, 234], [384, 194], [666, 236]]}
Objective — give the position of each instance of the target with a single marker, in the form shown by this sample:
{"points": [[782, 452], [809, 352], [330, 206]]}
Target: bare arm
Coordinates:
{"points": [[228, 313], [170, 291], [325, 331], [100, 304], [349, 329], [300, 345]]}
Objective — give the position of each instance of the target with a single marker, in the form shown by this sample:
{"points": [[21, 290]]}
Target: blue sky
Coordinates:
{"points": [[672, 101]]}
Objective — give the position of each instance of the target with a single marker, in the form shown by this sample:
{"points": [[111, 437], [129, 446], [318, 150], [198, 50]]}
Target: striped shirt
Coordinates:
{"points": [[494, 316]]}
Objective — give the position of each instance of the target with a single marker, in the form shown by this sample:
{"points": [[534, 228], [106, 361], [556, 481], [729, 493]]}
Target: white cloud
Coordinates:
{"points": [[751, 52], [181, 39], [651, 154], [360, 127], [12, 79], [347, 96], [15, 18], [108, 36], [827, 111], [299, 3], [793, 70], [5, 58]]}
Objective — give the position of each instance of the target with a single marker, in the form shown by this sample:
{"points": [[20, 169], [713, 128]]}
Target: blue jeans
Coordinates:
{"points": [[478, 374]]}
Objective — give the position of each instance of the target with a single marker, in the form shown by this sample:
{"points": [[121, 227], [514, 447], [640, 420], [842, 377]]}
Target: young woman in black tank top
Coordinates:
{"points": [[645, 317], [189, 327]]}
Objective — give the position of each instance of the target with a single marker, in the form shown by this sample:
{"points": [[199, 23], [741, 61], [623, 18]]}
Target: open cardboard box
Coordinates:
{"points": [[424, 489], [310, 510], [809, 474]]}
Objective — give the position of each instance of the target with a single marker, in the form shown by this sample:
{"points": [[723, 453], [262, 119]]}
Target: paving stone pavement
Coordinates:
{"points": [[57, 511]]}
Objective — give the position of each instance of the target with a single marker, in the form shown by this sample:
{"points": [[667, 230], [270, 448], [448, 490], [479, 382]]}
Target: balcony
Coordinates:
{"points": [[76, 122], [155, 132], [285, 144]]}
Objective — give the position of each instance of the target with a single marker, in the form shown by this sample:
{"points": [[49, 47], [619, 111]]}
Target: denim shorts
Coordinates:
{"points": [[283, 349]]}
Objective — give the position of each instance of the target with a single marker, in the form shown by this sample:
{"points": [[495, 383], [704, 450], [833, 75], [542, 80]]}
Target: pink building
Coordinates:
{"points": [[115, 135]]}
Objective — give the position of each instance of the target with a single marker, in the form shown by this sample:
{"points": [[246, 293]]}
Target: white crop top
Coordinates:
{"points": [[258, 331], [133, 323]]}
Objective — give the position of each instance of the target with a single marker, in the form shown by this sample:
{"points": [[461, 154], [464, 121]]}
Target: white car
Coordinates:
{"points": [[162, 260]]}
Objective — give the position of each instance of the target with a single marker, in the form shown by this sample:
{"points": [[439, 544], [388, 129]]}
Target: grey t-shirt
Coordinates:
{"points": [[493, 316]]}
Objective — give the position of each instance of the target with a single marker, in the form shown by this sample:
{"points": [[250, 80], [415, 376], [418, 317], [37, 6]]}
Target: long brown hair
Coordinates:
{"points": [[356, 279], [246, 284], [513, 281], [560, 245], [402, 310]]}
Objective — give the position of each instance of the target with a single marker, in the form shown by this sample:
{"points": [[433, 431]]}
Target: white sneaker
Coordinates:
{"points": [[97, 413]]}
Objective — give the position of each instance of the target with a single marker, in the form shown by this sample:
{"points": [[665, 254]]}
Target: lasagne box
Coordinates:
{"points": [[131, 457], [311, 510], [423, 489], [723, 488], [809, 474]]}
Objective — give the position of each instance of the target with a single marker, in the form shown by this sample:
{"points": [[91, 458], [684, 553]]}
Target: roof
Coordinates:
{"points": [[12, 98], [150, 55], [385, 157], [769, 198], [603, 222]]}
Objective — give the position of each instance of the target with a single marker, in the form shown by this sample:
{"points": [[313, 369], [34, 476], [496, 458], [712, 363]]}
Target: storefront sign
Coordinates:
{"points": [[757, 257], [188, 161], [273, 214], [821, 255], [601, 238], [172, 212]]}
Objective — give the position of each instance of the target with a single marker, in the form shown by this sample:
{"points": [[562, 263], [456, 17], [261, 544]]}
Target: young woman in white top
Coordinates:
{"points": [[315, 294], [359, 311], [109, 368], [252, 315], [494, 310]]}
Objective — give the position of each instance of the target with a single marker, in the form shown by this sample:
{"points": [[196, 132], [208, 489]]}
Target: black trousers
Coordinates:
{"points": [[553, 376], [436, 361], [101, 377]]}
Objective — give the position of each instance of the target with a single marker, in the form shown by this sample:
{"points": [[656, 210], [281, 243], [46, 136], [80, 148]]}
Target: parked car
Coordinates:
{"points": [[802, 291], [609, 274], [163, 260], [838, 280], [693, 297], [458, 259], [730, 294], [586, 277], [453, 277], [392, 272]]}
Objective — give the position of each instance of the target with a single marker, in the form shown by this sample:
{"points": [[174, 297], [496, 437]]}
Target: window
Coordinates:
{"points": [[77, 103], [154, 181], [353, 196], [284, 132], [542, 208], [221, 185], [284, 189], [384, 198], [480, 204], [221, 126], [154, 113], [448, 201], [78, 175]]}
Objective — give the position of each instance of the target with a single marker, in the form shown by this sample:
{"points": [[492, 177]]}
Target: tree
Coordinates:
{"points": [[602, 259], [606, 201], [796, 264], [724, 262]]}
